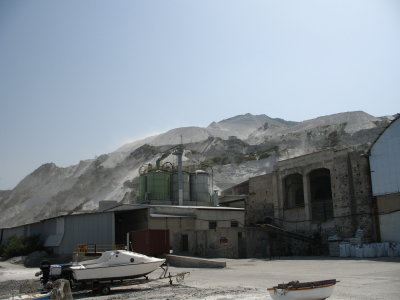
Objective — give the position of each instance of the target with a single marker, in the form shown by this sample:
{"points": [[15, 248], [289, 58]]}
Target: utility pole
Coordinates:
{"points": [[179, 152]]}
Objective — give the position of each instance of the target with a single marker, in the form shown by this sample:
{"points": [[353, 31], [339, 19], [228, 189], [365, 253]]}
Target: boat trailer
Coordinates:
{"points": [[104, 286]]}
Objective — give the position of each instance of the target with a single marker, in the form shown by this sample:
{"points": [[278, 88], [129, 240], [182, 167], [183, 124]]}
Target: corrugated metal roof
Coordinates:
{"points": [[199, 207], [127, 207], [156, 215]]}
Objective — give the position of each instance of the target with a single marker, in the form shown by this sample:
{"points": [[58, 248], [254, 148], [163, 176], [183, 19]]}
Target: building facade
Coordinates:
{"points": [[201, 231], [321, 194]]}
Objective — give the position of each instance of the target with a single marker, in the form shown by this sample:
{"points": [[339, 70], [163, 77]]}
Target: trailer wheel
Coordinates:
{"points": [[105, 290]]}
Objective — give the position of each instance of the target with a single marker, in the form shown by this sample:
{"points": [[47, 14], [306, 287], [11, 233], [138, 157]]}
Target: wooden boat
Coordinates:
{"points": [[295, 290]]}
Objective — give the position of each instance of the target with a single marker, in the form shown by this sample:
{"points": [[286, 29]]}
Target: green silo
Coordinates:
{"points": [[200, 186], [158, 185], [186, 186], [142, 187]]}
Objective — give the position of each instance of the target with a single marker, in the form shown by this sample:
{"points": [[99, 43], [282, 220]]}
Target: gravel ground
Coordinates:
{"points": [[248, 279]]}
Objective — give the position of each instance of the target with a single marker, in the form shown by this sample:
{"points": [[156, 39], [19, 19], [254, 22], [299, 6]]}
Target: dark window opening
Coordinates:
{"points": [[184, 242], [212, 225], [234, 224], [294, 193], [321, 195]]}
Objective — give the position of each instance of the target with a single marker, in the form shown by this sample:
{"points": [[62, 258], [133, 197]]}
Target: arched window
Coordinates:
{"points": [[294, 193]]}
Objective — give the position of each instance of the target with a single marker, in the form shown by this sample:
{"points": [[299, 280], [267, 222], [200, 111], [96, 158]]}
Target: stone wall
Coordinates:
{"points": [[263, 244], [260, 203], [337, 195]]}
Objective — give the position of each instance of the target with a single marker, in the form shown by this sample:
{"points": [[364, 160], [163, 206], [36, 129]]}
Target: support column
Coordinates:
{"points": [[307, 197], [278, 204]]}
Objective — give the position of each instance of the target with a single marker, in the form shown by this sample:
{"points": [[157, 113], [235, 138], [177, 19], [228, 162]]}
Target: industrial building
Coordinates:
{"points": [[310, 198], [168, 184], [299, 207], [385, 177], [324, 196], [174, 201], [325, 193], [192, 230]]}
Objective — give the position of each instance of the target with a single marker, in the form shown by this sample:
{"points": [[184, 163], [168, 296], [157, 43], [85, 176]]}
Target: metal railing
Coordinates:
{"points": [[97, 248]]}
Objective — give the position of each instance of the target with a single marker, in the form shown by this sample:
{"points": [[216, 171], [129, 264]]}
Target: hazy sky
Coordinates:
{"points": [[80, 78]]}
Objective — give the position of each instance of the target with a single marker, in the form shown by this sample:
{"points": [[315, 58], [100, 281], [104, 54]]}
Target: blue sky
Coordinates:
{"points": [[80, 78]]}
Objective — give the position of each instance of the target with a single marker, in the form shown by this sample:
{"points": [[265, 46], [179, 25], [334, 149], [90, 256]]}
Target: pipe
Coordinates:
{"points": [[179, 152]]}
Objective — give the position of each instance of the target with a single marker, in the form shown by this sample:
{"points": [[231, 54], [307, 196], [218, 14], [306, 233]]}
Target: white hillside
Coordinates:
{"points": [[240, 126], [352, 122], [171, 137]]}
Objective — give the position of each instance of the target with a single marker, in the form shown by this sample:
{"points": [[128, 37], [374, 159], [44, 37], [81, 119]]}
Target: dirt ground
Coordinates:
{"points": [[246, 279]]}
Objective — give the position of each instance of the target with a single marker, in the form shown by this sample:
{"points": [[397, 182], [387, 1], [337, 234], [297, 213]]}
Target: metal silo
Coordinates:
{"points": [[158, 185], [142, 187], [199, 186], [186, 186]]}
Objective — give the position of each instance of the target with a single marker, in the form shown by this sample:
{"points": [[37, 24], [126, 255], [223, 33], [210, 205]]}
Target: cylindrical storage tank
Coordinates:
{"points": [[199, 186], [158, 185], [186, 186], [142, 187]]}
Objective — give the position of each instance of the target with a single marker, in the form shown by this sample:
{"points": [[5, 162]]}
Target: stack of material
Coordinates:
{"points": [[347, 249], [61, 290]]}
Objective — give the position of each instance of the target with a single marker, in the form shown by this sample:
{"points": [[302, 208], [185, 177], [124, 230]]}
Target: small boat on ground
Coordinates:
{"points": [[116, 264], [112, 268], [295, 290]]}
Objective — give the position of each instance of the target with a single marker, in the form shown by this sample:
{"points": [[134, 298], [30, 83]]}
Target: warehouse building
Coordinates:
{"points": [[203, 231], [385, 177]]}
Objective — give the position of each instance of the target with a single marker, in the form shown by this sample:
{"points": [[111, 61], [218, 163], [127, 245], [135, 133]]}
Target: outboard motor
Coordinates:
{"points": [[45, 268]]}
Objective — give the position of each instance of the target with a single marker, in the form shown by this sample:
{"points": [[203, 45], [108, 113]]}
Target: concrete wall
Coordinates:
{"points": [[263, 244], [221, 216], [260, 203], [239, 189], [220, 242], [193, 230]]}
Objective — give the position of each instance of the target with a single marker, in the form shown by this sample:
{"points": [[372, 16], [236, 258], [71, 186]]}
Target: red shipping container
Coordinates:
{"points": [[152, 242]]}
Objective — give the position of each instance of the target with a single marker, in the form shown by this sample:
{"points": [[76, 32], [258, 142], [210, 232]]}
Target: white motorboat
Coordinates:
{"points": [[294, 290], [117, 264]]}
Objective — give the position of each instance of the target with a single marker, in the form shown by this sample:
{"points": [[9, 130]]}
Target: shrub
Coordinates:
{"points": [[17, 246], [1, 250]]}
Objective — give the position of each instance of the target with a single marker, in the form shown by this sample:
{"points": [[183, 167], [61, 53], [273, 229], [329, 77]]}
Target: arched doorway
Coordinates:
{"points": [[294, 193], [321, 195]]}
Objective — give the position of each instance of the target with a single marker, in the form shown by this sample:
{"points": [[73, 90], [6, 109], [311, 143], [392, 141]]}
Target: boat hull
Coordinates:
{"points": [[312, 293], [116, 272]]}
